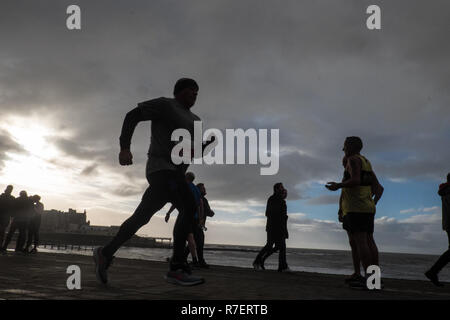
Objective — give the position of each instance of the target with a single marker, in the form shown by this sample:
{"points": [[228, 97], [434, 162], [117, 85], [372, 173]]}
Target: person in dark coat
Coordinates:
{"points": [[6, 203], [432, 274], [276, 228], [23, 206]]}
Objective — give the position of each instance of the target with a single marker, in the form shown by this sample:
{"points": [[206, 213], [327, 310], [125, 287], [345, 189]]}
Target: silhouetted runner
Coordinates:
{"points": [[444, 192], [360, 193], [276, 228], [6, 208], [167, 180]]}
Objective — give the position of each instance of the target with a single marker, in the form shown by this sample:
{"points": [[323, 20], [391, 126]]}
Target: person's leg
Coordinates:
{"points": [[10, 234], [30, 235], [22, 226], [154, 198], [271, 249], [36, 232], [3, 227], [363, 249], [443, 259], [200, 241], [192, 248], [265, 252], [355, 256], [282, 263], [183, 200], [373, 249]]}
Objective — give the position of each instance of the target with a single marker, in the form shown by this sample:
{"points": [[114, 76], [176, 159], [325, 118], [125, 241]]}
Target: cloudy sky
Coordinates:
{"points": [[308, 68]]}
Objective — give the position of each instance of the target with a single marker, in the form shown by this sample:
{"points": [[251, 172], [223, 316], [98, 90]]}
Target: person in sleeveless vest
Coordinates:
{"points": [[361, 191]]}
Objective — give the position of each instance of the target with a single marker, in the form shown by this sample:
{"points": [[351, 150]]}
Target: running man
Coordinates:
{"points": [[360, 194], [167, 180], [432, 274], [276, 227]]}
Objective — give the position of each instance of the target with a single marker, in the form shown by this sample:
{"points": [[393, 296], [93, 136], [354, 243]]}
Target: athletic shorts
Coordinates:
{"points": [[359, 222]]}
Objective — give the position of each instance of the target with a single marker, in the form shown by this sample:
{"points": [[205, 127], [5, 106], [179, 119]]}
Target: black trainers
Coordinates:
{"points": [[102, 264], [354, 277], [182, 278], [202, 264], [433, 278]]}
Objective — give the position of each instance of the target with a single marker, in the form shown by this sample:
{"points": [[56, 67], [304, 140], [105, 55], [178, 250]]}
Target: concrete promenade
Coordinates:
{"points": [[43, 276]]}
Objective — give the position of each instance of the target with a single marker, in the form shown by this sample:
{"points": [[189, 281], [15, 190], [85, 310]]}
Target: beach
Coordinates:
{"points": [[44, 276]]}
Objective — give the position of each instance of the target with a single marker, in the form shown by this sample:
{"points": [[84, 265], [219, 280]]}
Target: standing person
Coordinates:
{"points": [[191, 247], [356, 276], [200, 235], [34, 224], [276, 228], [432, 274], [358, 204], [167, 181], [6, 207], [22, 208]]}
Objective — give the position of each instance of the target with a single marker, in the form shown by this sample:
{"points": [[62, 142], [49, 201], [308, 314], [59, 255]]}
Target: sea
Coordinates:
{"points": [[393, 265]]}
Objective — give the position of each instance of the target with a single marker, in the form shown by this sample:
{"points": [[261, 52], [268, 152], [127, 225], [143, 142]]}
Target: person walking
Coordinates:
{"points": [[444, 259], [276, 228]]}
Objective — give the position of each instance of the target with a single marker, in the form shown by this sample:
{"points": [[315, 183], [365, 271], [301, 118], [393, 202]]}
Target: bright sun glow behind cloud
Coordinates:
{"points": [[33, 168]]}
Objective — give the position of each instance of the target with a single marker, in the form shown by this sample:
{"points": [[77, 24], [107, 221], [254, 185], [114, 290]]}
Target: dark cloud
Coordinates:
{"points": [[310, 69], [8, 145], [128, 190], [89, 170]]}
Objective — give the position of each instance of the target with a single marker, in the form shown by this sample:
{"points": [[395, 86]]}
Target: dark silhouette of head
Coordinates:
{"points": [[185, 92], [279, 189], [9, 189], [36, 198], [190, 176], [23, 194], [352, 146], [202, 188]]}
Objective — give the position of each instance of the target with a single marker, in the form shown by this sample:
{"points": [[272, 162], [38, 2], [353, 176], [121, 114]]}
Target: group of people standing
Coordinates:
{"points": [[360, 193], [23, 214]]}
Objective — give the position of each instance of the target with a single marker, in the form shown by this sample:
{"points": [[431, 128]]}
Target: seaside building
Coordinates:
{"points": [[60, 221]]}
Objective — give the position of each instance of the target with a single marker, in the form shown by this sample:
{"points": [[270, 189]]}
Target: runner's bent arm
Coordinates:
{"points": [[148, 110]]}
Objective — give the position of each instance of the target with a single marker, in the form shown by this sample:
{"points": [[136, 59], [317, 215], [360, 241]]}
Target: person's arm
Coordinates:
{"points": [[377, 188], [444, 189], [354, 169], [172, 207], [269, 208], [148, 110], [340, 213], [201, 213]]}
